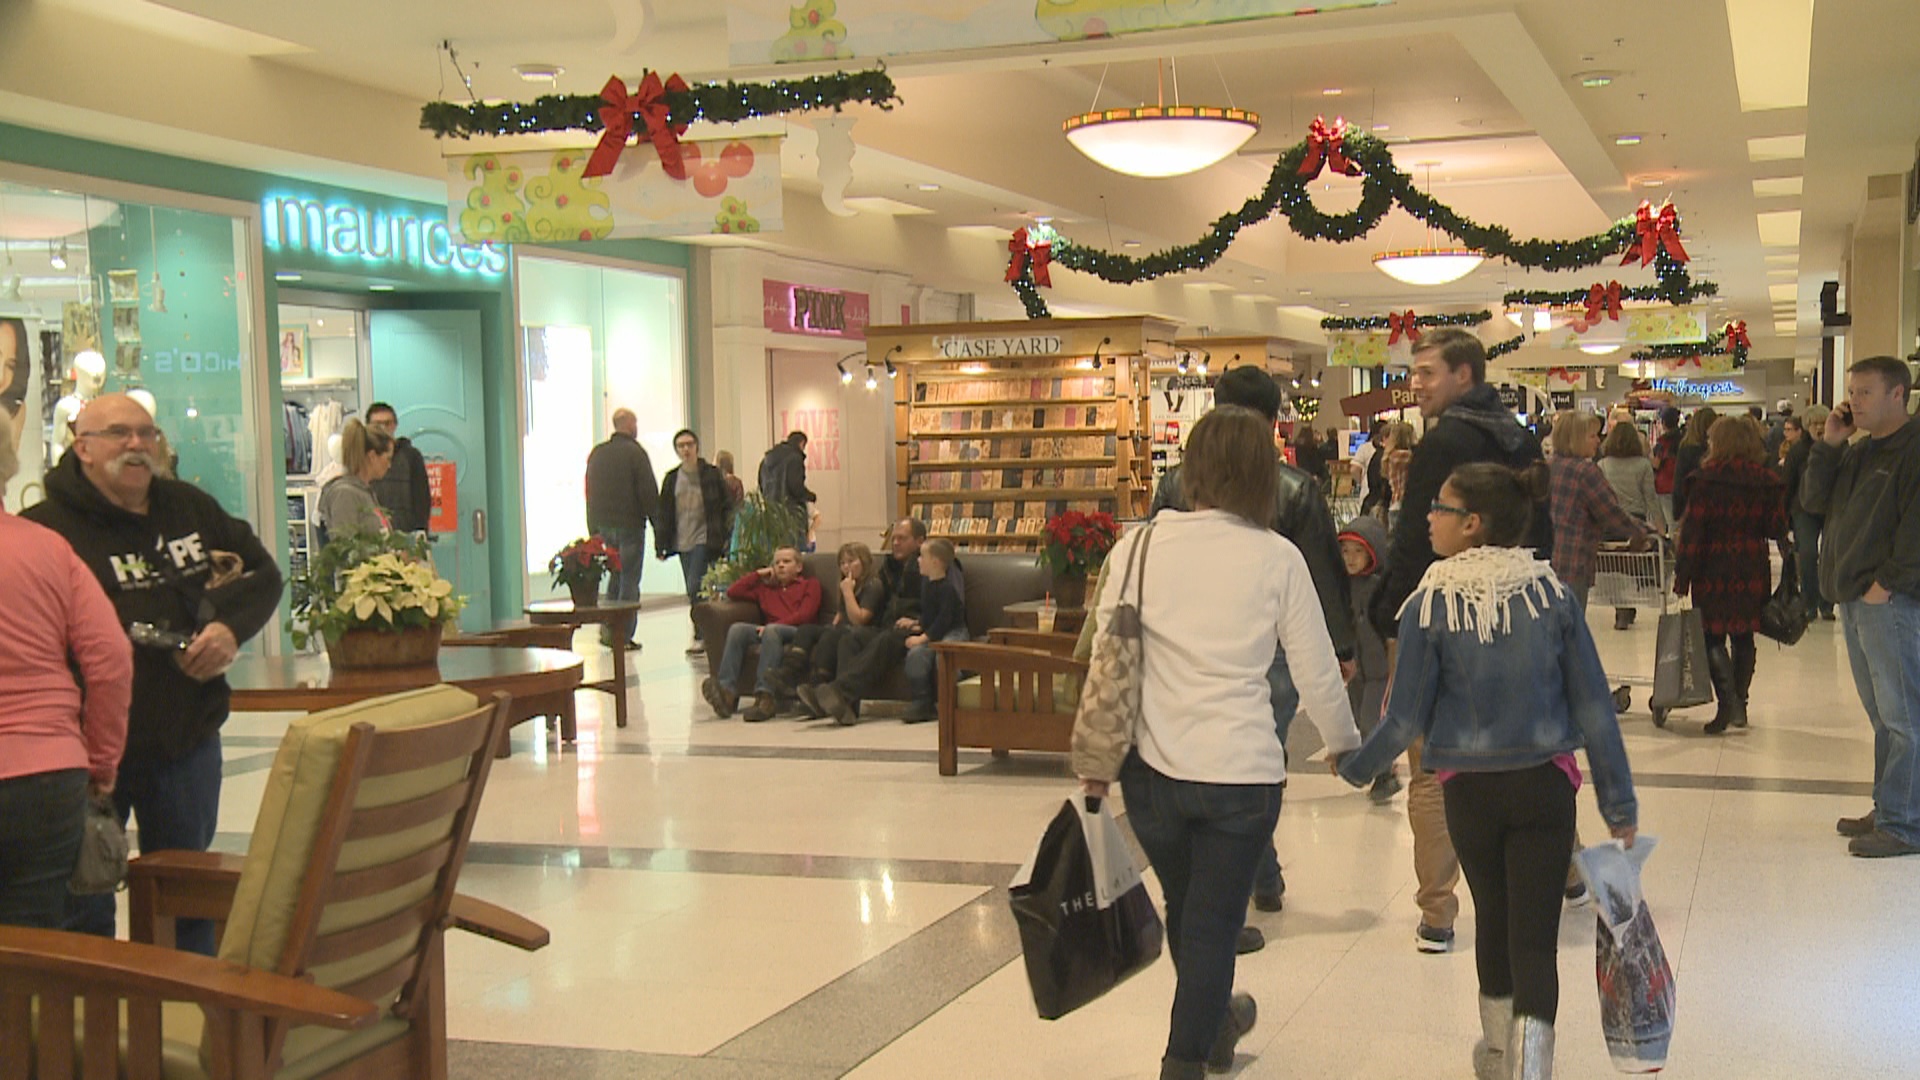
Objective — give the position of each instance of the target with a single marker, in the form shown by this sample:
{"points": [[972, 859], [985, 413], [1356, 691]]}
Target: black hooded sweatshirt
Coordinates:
{"points": [[154, 568], [1477, 427]]}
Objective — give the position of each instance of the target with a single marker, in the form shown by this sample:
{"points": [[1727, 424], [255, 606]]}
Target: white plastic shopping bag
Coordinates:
{"points": [[1636, 982]]}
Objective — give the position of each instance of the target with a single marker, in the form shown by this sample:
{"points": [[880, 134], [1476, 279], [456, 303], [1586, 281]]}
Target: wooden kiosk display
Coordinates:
{"points": [[1183, 393], [1001, 425]]}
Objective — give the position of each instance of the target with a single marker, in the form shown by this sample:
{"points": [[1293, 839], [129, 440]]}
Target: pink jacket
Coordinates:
{"points": [[53, 615]]}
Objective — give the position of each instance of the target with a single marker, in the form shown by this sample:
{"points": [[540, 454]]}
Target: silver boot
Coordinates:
{"points": [[1530, 1049], [1490, 1053]]}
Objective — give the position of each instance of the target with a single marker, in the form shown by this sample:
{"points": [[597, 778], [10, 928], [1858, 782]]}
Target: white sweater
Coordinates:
{"points": [[1220, 595]]}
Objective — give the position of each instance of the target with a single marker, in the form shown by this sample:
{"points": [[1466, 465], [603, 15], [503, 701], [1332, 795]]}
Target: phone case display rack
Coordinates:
{"points": [[1000, 426], [1183, 392]]}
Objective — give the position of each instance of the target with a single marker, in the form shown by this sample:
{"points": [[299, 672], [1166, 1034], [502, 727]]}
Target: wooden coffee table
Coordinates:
{"points": [[617, 618]]}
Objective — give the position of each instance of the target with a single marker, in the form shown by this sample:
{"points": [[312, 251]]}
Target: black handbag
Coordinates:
{"points": [[1785, 618]]}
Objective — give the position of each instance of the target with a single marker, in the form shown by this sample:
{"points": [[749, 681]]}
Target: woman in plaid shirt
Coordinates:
{"points": [[1585, 509]]}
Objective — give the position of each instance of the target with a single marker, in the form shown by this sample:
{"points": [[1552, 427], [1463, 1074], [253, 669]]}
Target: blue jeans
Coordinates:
{"points": [[176, 805], [1883, 648], [920, 665], [773, 639], [632, 544], [693, 567], [41, 817], [1806, 552], [1204, 841], [1286, 703]]}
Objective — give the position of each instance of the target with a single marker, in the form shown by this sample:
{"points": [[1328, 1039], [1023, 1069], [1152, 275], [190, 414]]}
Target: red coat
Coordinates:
{"points": [[1733, 509]]}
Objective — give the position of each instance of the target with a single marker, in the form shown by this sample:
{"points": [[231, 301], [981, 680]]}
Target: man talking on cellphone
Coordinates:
{"points": [[1870, 566]]}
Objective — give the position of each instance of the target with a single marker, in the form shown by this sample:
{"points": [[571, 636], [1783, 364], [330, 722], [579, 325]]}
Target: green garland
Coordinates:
{"points": [[1676, 286], [1502, 348], [1380, 322], [1715, 345], [1382, 187], [720, 103], [1030, 297]]}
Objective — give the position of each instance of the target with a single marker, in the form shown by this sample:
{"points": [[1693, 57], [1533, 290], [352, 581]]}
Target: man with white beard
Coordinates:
{"points": [[190, 582]]}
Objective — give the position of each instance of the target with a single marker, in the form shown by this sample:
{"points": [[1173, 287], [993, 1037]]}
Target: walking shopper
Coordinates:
{"points": [[1584, 508], [1623, 461], [347, 505], [1498, 675], [695, 518], [1363, 545], [1467, 423], [1735, 504], [1870, 566], [1205, 774], [1800, 434], [622, 497], [68, 672], [1665, 456], [783, 480], [404, 491], [1692, 449]]}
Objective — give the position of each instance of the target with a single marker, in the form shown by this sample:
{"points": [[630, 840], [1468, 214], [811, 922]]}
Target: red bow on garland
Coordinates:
{"points": [[1564, 375], [1652, 233], [649, 105], [1402, 324], [1326, 148], [1737, 336], [1603, 299], [1685, 360], [1025, 254]]}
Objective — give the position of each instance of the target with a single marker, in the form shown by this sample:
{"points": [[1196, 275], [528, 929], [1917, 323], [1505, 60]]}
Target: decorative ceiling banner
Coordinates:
{"points": [[786, 32], [1366, 348], [730, 186], [1666, 325]]}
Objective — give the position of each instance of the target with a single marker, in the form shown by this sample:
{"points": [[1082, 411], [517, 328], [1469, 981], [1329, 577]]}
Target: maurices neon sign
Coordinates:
{"points": [[374, 238], [1699, 387]]}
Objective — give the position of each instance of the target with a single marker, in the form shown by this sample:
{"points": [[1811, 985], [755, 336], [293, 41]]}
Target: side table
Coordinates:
{"points": [[616, 618]]}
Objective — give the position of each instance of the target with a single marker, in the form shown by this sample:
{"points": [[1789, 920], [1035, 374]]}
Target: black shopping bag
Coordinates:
{"points": [[1086, 921], [1680, 677], [1637, 992]]}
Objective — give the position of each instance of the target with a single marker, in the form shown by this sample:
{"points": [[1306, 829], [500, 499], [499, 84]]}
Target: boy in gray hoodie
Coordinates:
{"points": [[1363, 546]]}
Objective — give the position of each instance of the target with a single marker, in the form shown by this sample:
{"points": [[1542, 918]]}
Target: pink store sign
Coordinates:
{"points": [[804, 309]]}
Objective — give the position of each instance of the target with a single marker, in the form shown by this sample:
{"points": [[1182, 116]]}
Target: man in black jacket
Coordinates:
{"points": [[1301, 515], [1870, 566], [622, 497], [403, 491], [695, 519], [172, 559], [1465, 423], [783, 479]]}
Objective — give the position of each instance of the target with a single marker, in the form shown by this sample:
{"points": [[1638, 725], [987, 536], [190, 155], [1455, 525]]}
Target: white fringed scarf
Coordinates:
{"points": [[1473, 587]]}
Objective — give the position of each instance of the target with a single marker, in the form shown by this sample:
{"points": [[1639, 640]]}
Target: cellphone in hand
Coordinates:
{"points": [[1846, 414]]}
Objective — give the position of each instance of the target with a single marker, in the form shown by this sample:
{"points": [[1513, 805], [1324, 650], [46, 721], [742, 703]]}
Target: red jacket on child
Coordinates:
{"points": [[794, 604]]}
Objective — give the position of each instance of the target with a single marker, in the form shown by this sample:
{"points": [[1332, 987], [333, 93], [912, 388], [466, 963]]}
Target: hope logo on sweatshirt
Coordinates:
{"points": [[132, 570]]}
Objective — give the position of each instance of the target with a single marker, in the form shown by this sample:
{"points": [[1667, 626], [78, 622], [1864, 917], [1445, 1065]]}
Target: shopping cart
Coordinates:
{"points": [[1632, 579]]}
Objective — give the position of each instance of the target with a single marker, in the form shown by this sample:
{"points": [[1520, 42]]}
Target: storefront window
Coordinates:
{"points": [[594, 339], [101, 296]]}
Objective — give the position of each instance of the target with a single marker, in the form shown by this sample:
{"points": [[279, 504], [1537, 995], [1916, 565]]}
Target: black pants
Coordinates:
{"points": [[1514, 834], [41, 818], [867, 658]]}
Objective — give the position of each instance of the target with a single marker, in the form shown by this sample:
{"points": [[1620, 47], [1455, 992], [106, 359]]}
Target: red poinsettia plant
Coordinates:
{"points": [[584, 562], [1077, 542]]}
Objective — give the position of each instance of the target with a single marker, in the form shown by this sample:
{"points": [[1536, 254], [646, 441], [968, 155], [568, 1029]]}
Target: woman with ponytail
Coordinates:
{"points": [[347, 506], [1497, 672]]}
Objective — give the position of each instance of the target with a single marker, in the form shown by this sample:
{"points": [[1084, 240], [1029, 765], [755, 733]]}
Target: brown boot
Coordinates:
{"points": [[763, 707], [722, 699]]}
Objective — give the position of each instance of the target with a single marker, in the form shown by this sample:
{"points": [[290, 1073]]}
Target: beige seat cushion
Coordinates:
{"points": [[288, 826], [1066, 693]]}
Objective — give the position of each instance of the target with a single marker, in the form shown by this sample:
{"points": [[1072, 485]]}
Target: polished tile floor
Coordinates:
{"points": [[793, 899]]}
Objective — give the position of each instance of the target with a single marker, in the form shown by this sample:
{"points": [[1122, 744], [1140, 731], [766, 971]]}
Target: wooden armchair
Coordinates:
{"points": [[331, 953], [1021, 694]]}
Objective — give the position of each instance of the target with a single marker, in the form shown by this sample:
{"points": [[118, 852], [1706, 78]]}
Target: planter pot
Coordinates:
{"points": [[585, 593], [1070, 590], [385, 648]]}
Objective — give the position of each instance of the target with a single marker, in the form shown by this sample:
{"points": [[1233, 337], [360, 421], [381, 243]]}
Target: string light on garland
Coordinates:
{"points": [[1676, 286], [1715, 345], [1502, 348], [720, 103], [1424, 322]]}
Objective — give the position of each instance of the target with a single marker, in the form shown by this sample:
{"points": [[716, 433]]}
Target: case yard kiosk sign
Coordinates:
{"points": [[1002, 425]]}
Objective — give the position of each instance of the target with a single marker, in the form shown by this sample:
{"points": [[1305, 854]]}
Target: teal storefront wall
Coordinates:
{"points": [[367, 237]]}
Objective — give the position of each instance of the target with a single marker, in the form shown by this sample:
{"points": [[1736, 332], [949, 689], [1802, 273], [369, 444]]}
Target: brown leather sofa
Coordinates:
{"points": [[993, 581]]}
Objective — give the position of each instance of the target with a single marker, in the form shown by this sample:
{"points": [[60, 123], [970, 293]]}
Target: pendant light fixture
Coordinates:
{"points": [[1160, 140], [1432, 265]]}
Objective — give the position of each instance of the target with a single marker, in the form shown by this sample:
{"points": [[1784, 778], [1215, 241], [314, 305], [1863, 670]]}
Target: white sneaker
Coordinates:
{"points": [[694, 648]]}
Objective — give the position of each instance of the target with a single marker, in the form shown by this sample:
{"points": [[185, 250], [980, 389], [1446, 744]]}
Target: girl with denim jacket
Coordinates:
{"points": [[1497, 672]]}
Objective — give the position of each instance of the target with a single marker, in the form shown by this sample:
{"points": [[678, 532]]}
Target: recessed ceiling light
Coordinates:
{"points": [[1130, 243], [1306, 292], [1344, 304], [1594, 80], [1627, 140], [1259, 281], [539, 72], [928, 187], [1651, 181], [379, 288], [285, 275], [1332, 91], [1383, 127]]}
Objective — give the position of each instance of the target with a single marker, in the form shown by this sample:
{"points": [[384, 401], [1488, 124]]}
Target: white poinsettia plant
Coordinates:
{"points": [[362, 582]]}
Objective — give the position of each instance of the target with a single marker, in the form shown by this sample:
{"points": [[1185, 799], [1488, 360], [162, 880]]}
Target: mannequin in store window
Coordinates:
{"points": [[89, 376], [347, 506]]}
